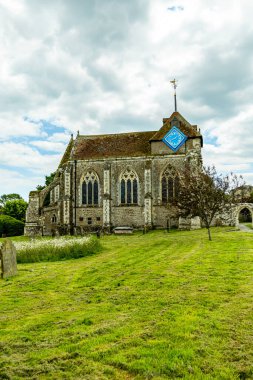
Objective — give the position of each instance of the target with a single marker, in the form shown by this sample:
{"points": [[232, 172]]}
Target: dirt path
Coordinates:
{"points": [[244, 228]]}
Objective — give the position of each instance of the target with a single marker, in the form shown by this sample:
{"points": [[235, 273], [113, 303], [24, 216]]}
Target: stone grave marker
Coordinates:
{"points": [[8, 259]]}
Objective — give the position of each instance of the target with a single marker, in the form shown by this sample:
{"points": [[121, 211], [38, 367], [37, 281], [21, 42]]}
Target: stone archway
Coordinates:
{"points": [[244, 213], [245, 216]]}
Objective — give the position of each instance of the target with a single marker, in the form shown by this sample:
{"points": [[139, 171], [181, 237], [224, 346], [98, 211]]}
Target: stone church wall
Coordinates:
{"points": [[51, 217], [230, 217], [33, 207], [117, 168], [89, 217], [158, 166], [164, 216], [82, 168], [158, 147], [65, 212], [132, 216], [148, 211]]}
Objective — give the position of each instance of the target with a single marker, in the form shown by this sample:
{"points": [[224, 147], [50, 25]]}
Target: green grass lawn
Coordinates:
{"points": [[156, 306]]}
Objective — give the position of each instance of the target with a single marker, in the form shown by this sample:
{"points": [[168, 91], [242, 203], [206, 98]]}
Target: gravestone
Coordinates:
{"points": [[189, 223], [8, 259]]}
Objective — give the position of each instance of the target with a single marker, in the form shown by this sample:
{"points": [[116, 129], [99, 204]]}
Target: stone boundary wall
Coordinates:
{"points": [[231, 217]]}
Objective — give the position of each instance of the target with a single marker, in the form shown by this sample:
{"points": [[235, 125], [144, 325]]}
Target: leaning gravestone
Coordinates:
{"points": [[8, 259]]}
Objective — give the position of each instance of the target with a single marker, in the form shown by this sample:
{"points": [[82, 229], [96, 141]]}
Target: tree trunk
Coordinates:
{"points": [[209, 233]]}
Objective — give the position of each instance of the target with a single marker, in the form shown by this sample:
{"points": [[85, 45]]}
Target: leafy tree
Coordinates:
{"points": [[247, 194], [40, 187], [9, 197], [48, 179], [244, 194], [16, 209], [205, 193]]}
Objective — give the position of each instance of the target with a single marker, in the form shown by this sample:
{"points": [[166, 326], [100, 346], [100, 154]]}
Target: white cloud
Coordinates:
{"points": [[13, 6], [49, 146], [23, 156], [60, 137], [16, 127], [14, 181]]}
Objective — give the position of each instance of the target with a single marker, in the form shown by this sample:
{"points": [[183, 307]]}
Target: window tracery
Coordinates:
{"points": [[129, 187], [169, 184], [90, 189]]}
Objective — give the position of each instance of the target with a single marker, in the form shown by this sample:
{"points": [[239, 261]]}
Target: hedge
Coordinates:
{"points": [[10, 226]]}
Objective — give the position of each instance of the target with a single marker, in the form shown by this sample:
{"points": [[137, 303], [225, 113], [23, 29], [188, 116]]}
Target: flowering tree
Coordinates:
{"points": [[205, 193]]}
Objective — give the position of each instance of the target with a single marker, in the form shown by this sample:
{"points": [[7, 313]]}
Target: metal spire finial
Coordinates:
{"points": [[174, 83]]}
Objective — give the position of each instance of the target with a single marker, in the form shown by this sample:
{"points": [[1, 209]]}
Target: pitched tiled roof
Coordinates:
{"points": [[67, 153], [132, 144], [189, 130]]}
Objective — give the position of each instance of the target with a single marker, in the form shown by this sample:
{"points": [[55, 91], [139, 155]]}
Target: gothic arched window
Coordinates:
{"points": [[90, 189], [169, 184], [129, 187]]}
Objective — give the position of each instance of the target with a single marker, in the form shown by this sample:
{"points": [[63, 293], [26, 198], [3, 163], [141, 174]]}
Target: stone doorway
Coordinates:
{"points": [[245, 217]]}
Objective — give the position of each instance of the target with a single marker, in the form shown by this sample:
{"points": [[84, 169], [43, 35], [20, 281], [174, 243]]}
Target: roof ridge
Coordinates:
{"points": [[116, 134], [67, 153]]}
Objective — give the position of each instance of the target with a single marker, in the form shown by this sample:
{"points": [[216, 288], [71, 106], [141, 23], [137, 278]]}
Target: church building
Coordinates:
{"points": [[116, 180]]}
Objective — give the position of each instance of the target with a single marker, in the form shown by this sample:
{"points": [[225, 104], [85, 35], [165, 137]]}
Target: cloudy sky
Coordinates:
{"points": [[104, 66]]}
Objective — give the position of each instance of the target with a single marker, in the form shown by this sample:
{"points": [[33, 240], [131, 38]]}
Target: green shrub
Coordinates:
{"points": [[56, 249], [15, 208], [11, 226]]}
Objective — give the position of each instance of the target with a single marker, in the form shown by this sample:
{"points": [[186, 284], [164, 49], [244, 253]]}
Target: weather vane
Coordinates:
{"points": [[174, 83]]}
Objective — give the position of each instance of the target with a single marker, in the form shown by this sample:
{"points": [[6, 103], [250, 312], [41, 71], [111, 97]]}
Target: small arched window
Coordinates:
{"points": [[90, 189], [129, 187], [169, 185], [54, 219]]}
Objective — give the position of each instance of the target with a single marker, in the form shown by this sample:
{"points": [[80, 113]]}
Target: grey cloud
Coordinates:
{"points": [[107, 78], [103, 24], [104, 66], [221, 73], [126, 122]]}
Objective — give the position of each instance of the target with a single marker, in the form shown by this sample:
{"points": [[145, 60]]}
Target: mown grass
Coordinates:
{"points": [[155, 306]]}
